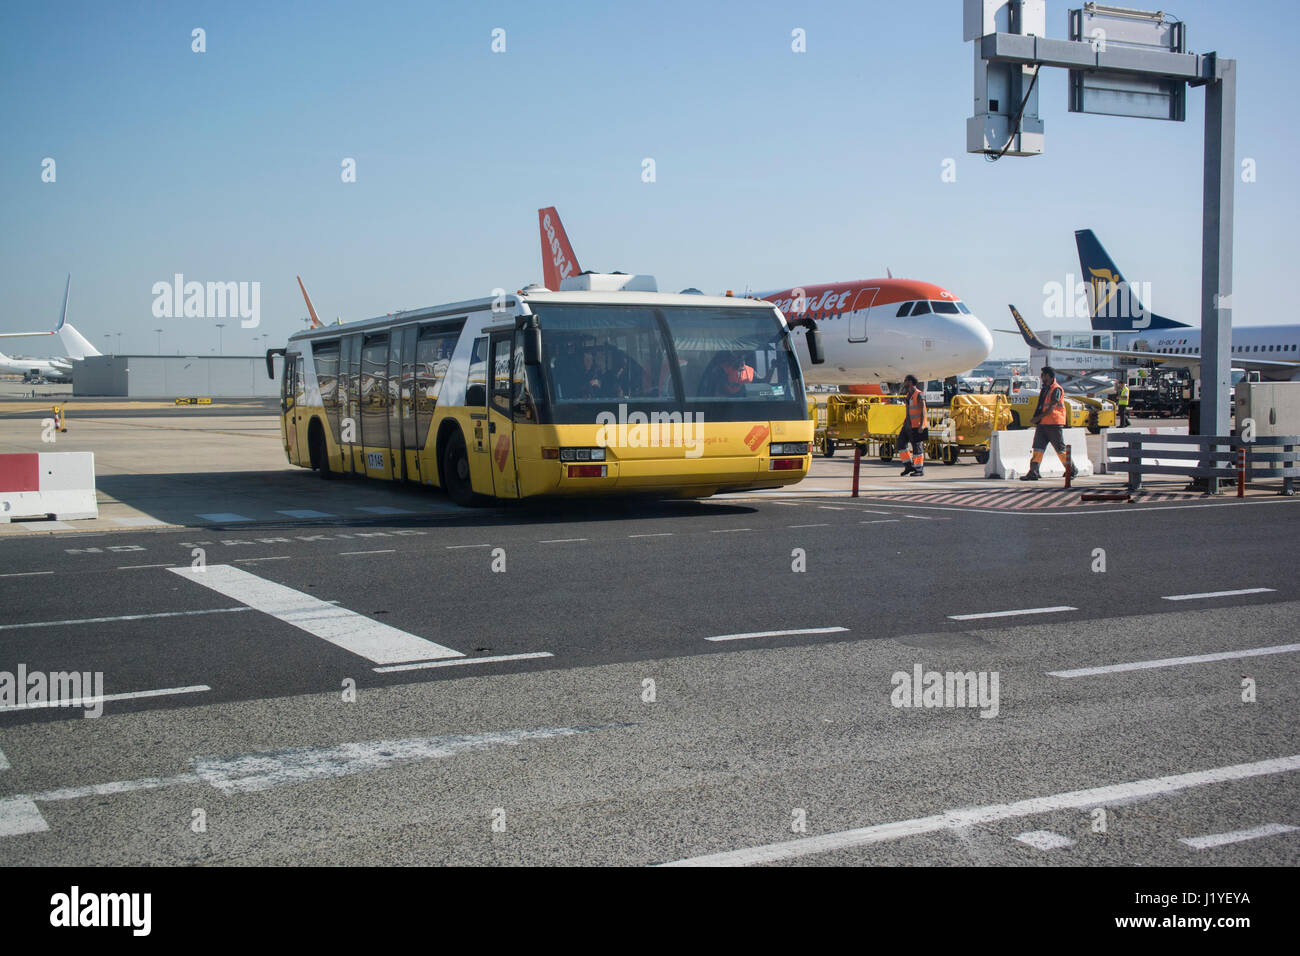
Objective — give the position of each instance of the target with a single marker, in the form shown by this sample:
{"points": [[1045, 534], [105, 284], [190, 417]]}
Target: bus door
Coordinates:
{"points": [[410, 406], [375, 399], [288, 416], [398, 405], [501, 437], [349, 393]]}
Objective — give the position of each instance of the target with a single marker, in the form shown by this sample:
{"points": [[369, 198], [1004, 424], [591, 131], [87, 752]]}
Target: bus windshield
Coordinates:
{"points": [[729, 364]]}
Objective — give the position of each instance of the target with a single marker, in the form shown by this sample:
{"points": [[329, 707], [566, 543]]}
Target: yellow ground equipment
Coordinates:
{"points": [[974, 420]]}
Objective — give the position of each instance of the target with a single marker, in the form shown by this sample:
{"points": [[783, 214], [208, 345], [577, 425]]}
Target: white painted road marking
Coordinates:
{"points": [[808, 526], [1045, 840], [223, 517], [385, 551], [4, 761], [305, 513], [1214, 594], [137, 567], [806, 630], [957, 819], [653, 534], [424, 665], [1236, 836], [343, 628], [561, 540], [457, 547], [882, 521], [1176, 661], [256, 772], [122, 617], [1027, 610], [24, 574], [104, 698]]}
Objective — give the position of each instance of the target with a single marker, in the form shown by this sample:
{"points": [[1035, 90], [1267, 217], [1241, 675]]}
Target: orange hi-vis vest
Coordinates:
{"points": [[1054, 400], [916, 410]]}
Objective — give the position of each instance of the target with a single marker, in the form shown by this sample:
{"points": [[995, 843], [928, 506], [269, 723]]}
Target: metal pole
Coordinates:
{"points": [[857, 464], [1216, 249]]}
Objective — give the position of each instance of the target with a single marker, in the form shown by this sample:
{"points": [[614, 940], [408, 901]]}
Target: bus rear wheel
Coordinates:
{"points": [[320, 456], [455, 472]]}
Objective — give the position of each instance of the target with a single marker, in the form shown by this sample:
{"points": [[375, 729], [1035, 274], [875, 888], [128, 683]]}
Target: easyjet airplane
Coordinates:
{"points": [[873, 330]]}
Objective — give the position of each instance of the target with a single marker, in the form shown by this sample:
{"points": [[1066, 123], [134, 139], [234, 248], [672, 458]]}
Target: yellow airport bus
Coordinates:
{"points": [[606, 387]]}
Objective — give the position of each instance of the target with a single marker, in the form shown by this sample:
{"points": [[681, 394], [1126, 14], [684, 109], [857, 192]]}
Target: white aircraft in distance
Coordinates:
{"points": [[1271, 350], [874, 331], [55, 369]]}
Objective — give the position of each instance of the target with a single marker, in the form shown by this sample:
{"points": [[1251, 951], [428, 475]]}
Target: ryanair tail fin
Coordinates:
{"points": [[558, 260], [1113, 303]]}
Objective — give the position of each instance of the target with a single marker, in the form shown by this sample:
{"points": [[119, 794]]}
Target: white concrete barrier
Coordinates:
{"points": [[1010, 453], [1110, 433], [58, 484]]}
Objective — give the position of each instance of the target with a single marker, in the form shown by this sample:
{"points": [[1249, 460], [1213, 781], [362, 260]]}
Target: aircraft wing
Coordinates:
{"points": [[1174, 361], [24, 335]]}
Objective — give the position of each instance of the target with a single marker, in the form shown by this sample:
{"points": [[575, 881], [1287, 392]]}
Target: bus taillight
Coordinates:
{"points": [[587, 471], [785, 464]]}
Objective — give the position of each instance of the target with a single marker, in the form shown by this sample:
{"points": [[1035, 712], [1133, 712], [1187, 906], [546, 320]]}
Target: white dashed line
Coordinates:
{"points": [[425, 665], [881, 521], [654, 534], [806, 630], [353, 632], [104, 698], [1045, 840], [457, 547], [808, 526], [1215, 594], [561, 540], [24, 574], [1017, 613], [957, 819], [829, 508], [381, 551], [729, 530], [122, 617], [1236, 836], [278, 557], [137, 567], [1177, 661]]}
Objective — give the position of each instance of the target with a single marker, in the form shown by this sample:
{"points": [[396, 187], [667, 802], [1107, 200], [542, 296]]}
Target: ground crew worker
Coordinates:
{"points": [[914, 431], [737, 373], [1121, 400], [1049, 417]]}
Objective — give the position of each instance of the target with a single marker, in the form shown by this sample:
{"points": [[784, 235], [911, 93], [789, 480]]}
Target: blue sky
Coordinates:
{"points": [[773, 168]]}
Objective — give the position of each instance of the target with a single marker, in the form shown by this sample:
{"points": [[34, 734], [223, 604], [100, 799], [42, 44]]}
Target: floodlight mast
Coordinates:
{"points": [[1141, 72]]}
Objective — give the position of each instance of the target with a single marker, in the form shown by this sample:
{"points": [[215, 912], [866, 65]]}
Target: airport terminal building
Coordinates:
{"points": [[174, 376]]}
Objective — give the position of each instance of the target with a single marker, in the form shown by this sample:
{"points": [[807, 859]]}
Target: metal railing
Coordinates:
{"points": [[1215, 457]]}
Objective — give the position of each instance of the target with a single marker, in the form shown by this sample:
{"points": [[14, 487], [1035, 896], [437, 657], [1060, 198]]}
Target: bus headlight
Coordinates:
{"points": [[582, 454], [788, 448]]}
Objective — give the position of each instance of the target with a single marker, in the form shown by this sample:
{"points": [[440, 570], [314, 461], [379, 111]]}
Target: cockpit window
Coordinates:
{"points": [[961, 307], [944, 308], [921, 308], [903, 309]]}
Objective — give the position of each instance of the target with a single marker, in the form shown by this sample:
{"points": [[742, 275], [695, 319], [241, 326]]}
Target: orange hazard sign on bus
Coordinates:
{"points": [[756, 436], [502, 452]]}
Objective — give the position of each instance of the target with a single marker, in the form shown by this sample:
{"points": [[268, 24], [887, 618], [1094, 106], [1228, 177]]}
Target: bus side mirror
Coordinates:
{"points": [[270, 362], [533, 346], [815, 345]]}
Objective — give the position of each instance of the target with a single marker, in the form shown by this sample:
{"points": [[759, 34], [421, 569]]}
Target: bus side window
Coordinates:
{"points": [[476, 388], [522, 397]]}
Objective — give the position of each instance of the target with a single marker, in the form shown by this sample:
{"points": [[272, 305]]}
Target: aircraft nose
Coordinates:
{"points": [[976, 341]]}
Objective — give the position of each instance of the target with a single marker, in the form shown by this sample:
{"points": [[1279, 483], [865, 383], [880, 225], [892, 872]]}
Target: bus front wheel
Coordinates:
{"points": [[455, 471]]}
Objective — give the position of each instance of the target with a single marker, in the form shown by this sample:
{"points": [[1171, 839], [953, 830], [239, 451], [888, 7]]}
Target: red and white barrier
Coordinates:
{"points": [[55, 484]]}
